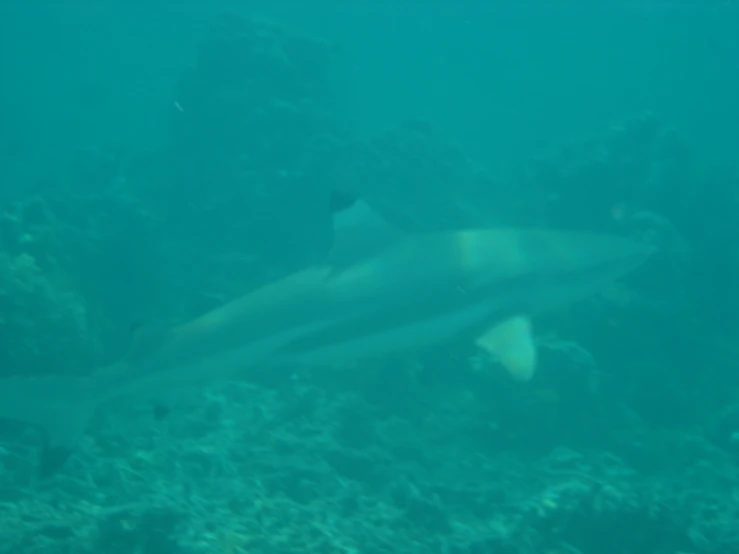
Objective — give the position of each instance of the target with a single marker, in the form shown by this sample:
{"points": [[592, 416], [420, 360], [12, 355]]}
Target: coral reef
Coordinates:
{"points": [[405, 173], [256, 126], [245, 471], [44, 323]]}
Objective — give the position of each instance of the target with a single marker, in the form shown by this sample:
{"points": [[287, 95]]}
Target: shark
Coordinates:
{"points": [[400, 296]]}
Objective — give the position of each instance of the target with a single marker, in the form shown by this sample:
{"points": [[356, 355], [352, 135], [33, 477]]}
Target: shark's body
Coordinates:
{"points": [[421, 291]]}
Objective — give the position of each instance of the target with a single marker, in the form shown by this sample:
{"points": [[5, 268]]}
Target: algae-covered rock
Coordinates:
{"points": [[44, 326], [257, 127]]}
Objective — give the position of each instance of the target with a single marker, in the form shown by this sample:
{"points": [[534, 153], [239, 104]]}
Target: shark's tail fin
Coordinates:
{"points": [[61, 406]]}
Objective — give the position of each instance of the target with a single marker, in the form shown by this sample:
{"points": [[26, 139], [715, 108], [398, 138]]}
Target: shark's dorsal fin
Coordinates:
{"points": [[359, 232], [512, 344]]}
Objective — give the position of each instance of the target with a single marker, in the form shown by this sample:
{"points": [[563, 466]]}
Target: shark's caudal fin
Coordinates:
{"points": [[61, 406]]}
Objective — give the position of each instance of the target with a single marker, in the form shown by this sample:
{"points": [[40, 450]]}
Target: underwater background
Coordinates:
{"points": [[158, 159]]}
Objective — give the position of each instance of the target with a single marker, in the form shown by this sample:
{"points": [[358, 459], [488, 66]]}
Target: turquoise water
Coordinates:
{"points": [[159, 160]]}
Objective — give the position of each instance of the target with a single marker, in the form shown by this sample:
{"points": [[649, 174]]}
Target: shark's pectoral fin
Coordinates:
{"points": [[512, 344]]}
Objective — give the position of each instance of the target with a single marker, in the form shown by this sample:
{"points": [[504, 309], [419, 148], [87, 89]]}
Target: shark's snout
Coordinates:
{"points": [[564, 267]]}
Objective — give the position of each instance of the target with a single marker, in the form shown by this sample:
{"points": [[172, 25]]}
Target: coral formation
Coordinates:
{"points": [[44, 323], [255, 126]]}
